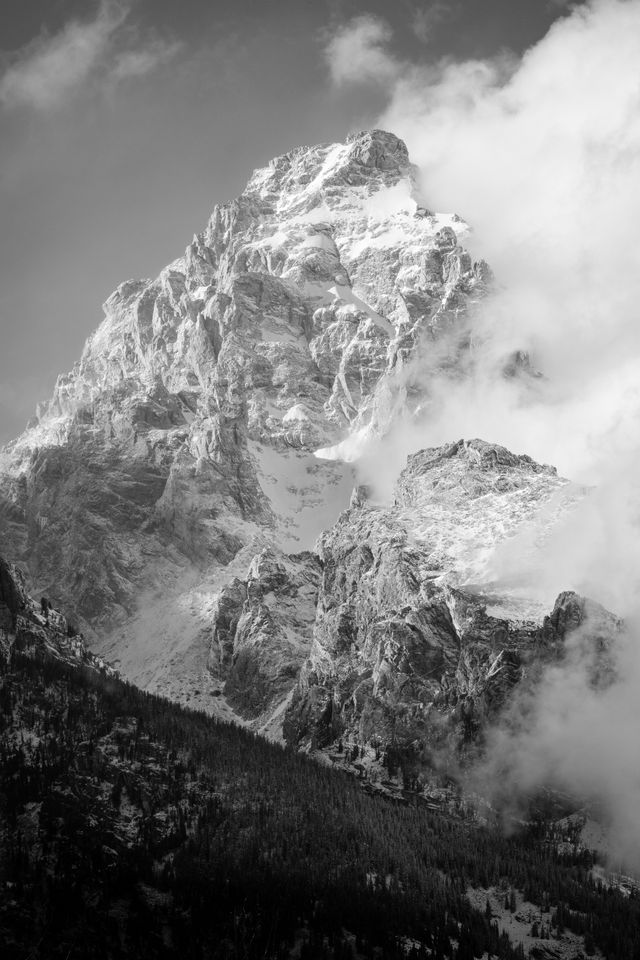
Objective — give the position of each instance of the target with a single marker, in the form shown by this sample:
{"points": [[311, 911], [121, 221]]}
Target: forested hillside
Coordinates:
{"points": [[131, 827]]}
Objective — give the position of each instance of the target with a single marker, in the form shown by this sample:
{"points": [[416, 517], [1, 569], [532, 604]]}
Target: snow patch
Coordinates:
{"points": [[390, 200], [391, 237], [341, 292], [277, 239], [347, 450], [295, 413], [321, 241], [306, 496]]}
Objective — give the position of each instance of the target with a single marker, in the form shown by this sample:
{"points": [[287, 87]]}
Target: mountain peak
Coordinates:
{"points": [[309, 176], [378, 148]]}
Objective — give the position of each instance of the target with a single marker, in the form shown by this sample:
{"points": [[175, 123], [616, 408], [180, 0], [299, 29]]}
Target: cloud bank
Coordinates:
{"points": [[541, 155]]}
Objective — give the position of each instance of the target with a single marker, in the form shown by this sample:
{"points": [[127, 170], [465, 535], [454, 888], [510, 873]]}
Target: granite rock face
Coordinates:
{"points": [[215, 410], [262, 630]]}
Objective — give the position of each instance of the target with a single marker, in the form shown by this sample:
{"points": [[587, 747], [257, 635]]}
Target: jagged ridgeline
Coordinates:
{"points": [[215, 409], [132, 827]]}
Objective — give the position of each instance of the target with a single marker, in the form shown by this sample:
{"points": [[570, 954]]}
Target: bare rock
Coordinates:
{"points": [[262, 630]]}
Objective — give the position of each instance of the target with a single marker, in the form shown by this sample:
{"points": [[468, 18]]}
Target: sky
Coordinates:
{"points": [[122, 123]]}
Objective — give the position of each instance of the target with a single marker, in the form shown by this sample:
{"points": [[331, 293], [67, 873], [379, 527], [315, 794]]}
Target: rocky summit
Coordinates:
{"points": [[188, 494]]}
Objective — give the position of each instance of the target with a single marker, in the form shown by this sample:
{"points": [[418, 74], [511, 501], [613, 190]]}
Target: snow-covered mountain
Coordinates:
{"points": [[215, 409], [170, 495]]}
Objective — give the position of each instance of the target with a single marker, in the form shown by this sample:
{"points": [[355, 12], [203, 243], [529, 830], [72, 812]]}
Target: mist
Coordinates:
{"points": [[541, 156], [578, 736]]}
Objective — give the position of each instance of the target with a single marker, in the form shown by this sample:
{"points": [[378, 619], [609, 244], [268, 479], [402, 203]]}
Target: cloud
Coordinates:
{"points": [[575, 731], [427, 18], [50, 70], [138, 63], [540, 154], [357, 54]]}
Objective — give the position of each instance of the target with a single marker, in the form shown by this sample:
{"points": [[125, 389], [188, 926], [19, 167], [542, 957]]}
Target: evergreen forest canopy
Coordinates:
{"points": [[132, 827]]}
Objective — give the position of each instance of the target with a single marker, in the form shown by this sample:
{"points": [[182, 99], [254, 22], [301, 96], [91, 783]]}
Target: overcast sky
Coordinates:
{"points": [[123, 123]]}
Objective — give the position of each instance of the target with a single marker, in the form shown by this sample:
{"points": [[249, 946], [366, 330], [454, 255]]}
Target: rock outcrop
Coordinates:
{"points": [[262, 631], [11, 596], [418, 643], [37, 631]]}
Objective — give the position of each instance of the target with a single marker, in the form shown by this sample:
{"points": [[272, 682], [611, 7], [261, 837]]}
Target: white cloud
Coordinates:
{"points": [[50, 70], [357, 54], [577, 736], [541, 155]]}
